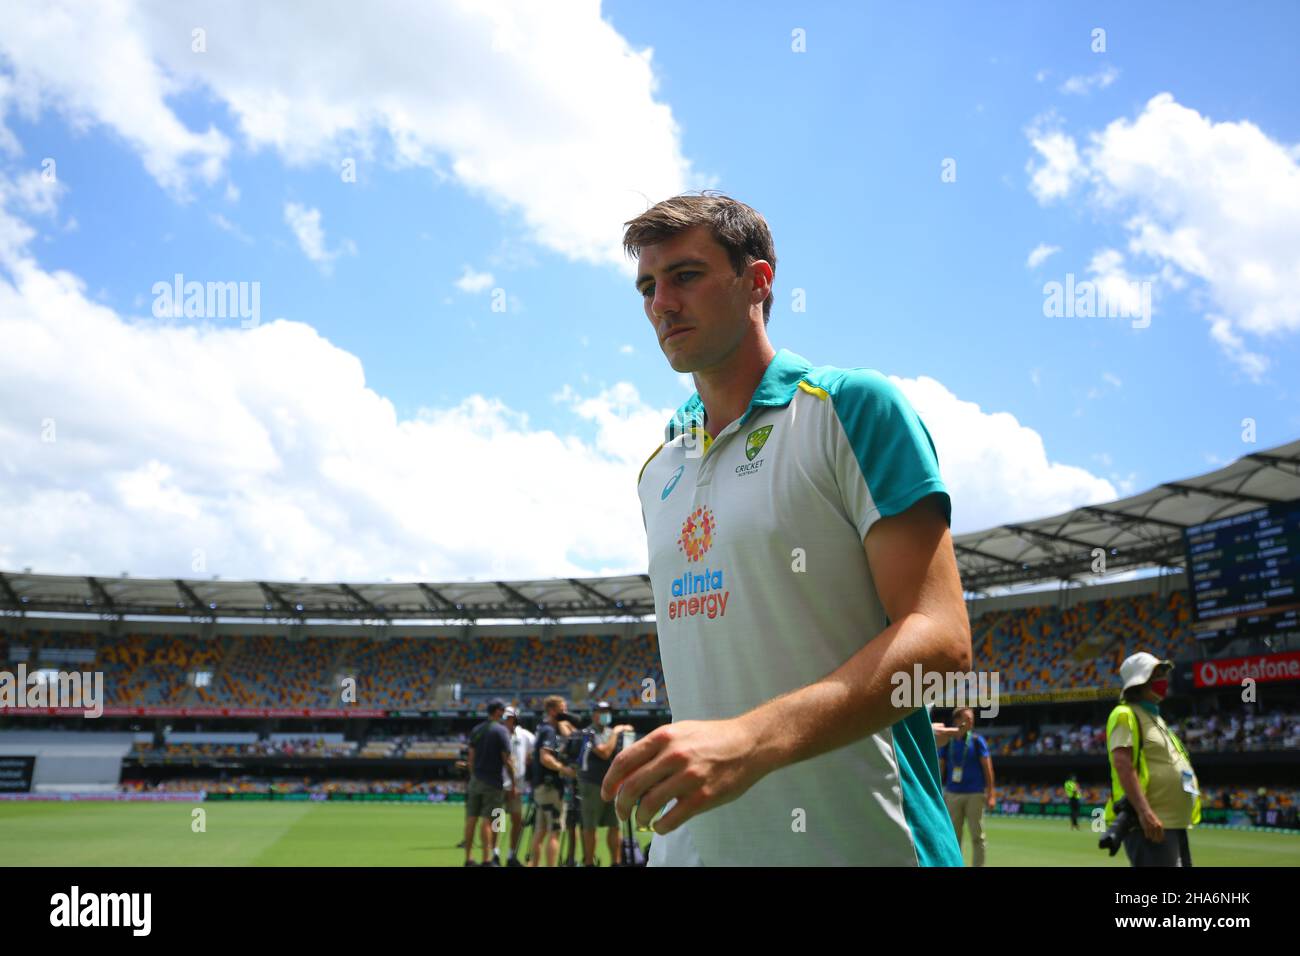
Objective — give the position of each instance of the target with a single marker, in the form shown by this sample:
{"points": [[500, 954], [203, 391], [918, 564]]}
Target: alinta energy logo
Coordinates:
{"points": [[698, 592]]}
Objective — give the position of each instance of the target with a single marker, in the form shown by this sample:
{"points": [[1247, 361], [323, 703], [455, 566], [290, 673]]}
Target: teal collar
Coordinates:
{"points": [[775, 389], [1150, 708]]}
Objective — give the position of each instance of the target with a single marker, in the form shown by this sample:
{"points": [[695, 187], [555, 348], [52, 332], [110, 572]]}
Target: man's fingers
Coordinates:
{"points": [[638, 755], [657, 797], [639, 783], [682, 810]]}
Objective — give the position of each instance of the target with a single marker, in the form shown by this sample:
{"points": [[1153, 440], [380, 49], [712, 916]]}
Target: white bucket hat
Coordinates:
{"points": [[1137, 669]]}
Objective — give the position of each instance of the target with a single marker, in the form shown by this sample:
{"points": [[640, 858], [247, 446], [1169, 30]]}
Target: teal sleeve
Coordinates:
{"points": [[896, 462]]}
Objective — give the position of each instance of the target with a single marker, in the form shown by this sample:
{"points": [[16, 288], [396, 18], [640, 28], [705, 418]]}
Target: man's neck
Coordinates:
{"points": [[727, 389], [1151, 706]]}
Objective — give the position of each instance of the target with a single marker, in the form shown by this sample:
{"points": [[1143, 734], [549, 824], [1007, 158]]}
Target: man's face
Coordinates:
{"points": [[1158, 686], [965, 721], [697, 305]]}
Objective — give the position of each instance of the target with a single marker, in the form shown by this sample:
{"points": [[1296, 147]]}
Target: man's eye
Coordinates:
{"points": [[682, 275], [647, 291]]}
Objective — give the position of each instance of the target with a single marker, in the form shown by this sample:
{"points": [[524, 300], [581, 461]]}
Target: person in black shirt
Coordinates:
{"points": [[602, 744], [548, 785], [485, 797]]}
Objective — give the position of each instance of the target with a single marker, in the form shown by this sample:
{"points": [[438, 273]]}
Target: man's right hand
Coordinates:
{"points": [[1152, 828]]}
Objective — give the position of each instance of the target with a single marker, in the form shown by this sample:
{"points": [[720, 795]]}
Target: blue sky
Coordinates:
{"points": [[505, 155]]}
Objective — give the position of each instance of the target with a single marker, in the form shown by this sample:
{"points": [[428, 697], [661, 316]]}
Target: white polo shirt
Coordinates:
{"points": [[521, 745], [762, 586]]}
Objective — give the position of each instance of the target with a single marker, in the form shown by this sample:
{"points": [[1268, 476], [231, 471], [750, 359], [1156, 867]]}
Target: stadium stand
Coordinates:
{"points": [[1034, 649], [1042, 648]]}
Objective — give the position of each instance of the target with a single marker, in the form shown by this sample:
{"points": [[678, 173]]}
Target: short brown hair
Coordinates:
{"points": [[554, 702], [738, 228]]}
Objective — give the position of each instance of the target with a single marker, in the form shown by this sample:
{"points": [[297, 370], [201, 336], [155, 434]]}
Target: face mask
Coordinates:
{"points": [[606, 719], [1161, 687]]}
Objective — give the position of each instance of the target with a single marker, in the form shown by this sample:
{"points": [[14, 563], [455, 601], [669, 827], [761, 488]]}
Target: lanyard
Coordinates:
{"points": [[1169, 736]]}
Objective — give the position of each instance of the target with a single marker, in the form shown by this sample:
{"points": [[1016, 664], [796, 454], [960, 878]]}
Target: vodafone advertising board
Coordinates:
{"points": [[1233, 670]]}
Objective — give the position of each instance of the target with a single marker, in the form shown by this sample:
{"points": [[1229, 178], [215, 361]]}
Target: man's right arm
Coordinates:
{"points": [[550, 761], [604, 750]]}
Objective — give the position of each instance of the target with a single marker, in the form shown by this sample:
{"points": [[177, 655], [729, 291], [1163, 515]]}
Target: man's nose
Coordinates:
{"points": [[662, 305]]}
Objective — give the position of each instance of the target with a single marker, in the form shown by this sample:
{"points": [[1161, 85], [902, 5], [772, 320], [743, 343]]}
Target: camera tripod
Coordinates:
{"points": [[572, 816]]}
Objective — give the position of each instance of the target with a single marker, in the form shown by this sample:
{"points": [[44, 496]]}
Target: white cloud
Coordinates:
{"points": [[1107, 378], [1220, 201], [560, 127], [1119, 292], [224, 224], [471, 281], [1215, 201], [1040, 254], [997, 469], [1234, 347], [1061, 166], [1082, 85], [307, 229], [265, 450], [1126, 484], [37, 194], [626, 349], [93, 64]]}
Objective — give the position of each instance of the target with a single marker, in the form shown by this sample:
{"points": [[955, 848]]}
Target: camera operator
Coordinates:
{"points": [[1155, 796], [601, 744], [549, 773]]}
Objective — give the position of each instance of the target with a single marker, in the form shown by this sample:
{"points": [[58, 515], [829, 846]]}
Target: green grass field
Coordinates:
{"points": [[345, 834]]}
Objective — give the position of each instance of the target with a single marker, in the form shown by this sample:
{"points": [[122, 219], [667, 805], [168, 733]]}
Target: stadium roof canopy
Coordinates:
{"points": [[1143, 531]]}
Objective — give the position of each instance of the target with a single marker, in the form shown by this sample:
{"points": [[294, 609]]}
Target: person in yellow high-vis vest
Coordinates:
{"points": [[1151, 767], [1072, 794]]}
